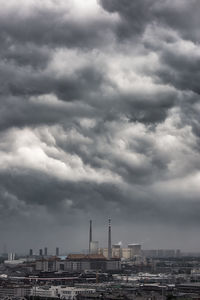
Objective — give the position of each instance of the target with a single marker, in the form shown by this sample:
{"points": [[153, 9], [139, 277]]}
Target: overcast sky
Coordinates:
{"points": [[99, 117]]}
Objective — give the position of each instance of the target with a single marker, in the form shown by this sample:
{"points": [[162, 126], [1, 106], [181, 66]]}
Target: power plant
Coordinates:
{"points": [[112, 251]]}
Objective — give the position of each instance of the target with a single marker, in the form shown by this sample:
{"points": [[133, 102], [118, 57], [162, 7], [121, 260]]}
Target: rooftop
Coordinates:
{"points": [[84, 256]]}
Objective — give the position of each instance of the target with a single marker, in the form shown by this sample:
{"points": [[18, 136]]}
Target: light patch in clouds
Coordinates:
{"points": [[32, 154]]}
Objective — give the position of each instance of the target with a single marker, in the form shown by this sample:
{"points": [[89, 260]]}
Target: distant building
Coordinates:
{"points": [[116, 251], [135, 249], [94, 245], [47, 265], [31, 252], [14, 262], [11, 256], [161, 253], [57, 251], [81, 262], [150, 253], [103, 251], [45, 251], [126, 253]]}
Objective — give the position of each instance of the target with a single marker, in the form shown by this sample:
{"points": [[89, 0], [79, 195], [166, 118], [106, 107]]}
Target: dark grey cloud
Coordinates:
{"points": [[99, 116], [53, 26], [135, 15], [183, 73], [181, 16]]}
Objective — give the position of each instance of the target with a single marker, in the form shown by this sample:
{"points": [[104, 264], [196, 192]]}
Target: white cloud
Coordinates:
{"points": [[31, 153]]}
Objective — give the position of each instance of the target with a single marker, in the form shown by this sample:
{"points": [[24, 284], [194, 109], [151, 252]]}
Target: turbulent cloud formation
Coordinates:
{"points": [[99, 117]]}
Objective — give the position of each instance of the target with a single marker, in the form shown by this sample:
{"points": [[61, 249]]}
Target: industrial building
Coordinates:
{"points": [[128, 253], [81, 262], [47, 264], [113, 251], [116, 251], [94, 246], [78, 263]]}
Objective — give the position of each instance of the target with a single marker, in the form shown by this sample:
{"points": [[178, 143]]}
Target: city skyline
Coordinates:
{"points": [[99, 118], [108, 242]]}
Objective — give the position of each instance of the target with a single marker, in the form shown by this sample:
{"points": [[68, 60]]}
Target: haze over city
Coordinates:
{"points": [[99, 118]]}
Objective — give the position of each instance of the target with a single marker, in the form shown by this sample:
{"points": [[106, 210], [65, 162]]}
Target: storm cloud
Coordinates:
{"points": [[99, 118]]}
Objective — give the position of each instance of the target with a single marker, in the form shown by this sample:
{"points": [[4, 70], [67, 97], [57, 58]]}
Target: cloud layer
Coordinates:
{"points": [[99, 117]]}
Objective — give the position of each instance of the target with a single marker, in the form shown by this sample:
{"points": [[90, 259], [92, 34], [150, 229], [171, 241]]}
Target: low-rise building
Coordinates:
{"points": [[47, 264], [60, 292], [15, 290], [81, 262]]}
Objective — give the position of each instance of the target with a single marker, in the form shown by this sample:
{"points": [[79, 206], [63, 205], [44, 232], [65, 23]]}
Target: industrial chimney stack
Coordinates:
{"points": [[109, 240], [90, 236]]}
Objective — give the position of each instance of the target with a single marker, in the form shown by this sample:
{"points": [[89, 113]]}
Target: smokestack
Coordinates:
{"points": [[109, 240], [90, 236]]}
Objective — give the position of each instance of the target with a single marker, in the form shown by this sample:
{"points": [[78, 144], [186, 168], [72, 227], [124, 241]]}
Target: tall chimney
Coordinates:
{"points": [[90, 236], [109, 240]]}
